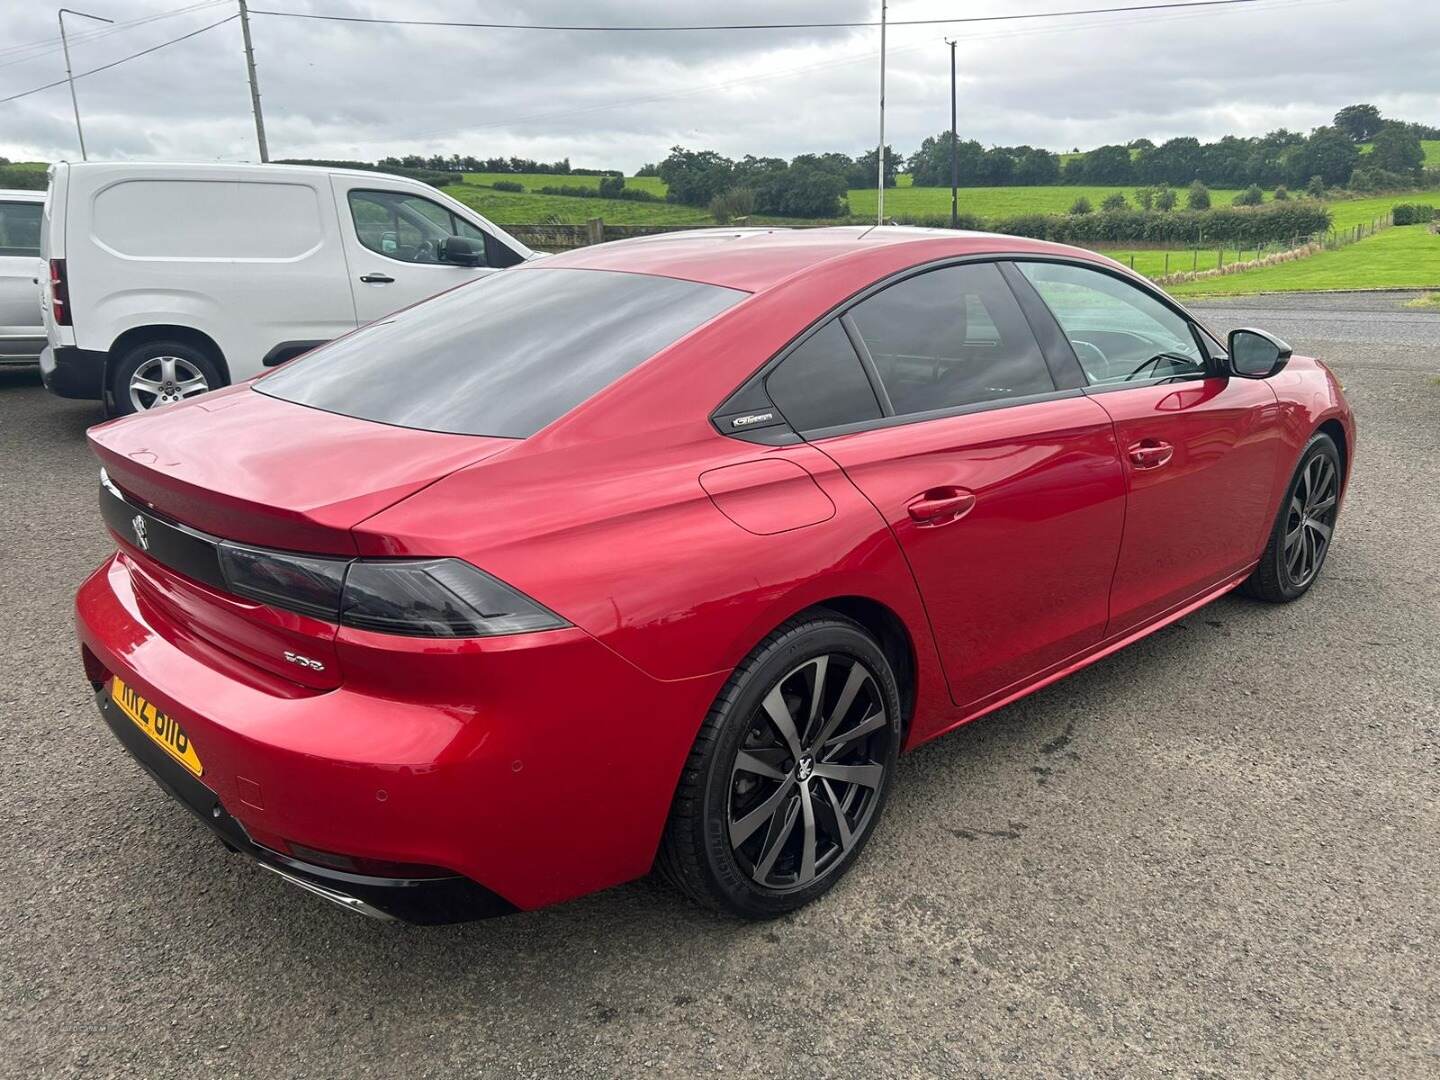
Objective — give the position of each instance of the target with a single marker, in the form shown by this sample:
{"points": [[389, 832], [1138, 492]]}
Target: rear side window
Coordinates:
{"points": [[504, 355], [20, 228], [951, 337], [821, 384]]}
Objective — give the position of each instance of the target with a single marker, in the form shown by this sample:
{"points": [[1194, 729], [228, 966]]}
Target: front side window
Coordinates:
{"points": [[20, 228], [503, 355], [821, 384], [405, 227], [1120, 333], [951, 337]]}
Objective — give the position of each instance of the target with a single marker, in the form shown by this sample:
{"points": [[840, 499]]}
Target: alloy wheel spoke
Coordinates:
{"points": [[807, 842], [764, 763], [1293, 537], [167, 368], [145, 386], [873, 722], [864, 775], [1324, 506], [853, 682], [817, 692], [742, 830], [779, 714], [782, 824], [830, 816], [1320, 528]]}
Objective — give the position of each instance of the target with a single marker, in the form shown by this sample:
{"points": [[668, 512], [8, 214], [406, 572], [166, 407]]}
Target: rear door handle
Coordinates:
{"points": [[1150, 453], [376, 279], [940, 506]]}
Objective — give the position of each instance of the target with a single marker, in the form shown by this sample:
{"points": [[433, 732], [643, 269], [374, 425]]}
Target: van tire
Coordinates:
{"points": [[189, 363]]}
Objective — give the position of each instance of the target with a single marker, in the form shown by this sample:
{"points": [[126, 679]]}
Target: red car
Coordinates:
{"points": [[657, 554]]}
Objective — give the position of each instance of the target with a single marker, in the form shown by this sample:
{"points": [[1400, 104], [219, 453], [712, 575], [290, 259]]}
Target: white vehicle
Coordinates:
{"points": [[22, 334], [165, 281]]}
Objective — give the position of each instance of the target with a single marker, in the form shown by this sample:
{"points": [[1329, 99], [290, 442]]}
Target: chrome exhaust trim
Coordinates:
{"points": [[335, 896]]}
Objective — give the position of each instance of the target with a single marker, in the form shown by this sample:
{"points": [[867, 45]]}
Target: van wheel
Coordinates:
{"points": [[160, 373]]}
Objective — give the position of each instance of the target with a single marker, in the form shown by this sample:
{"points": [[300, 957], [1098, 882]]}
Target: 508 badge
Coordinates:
{"points": [[304, 661]]}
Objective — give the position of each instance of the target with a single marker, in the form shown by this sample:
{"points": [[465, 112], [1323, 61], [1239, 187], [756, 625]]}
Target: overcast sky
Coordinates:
{"points": [[618, 100]]}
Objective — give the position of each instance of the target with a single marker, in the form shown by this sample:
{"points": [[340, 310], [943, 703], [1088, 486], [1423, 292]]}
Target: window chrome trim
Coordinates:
{"points": [[902, 419]]}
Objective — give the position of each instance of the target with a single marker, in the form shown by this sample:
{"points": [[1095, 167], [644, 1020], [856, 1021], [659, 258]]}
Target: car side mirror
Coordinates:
{"points": [[462, 251], [1254, 354]]}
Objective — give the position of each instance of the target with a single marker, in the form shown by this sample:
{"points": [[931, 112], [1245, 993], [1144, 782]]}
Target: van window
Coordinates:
{"points": [[406, 227], [502, 355], [207, 219], [20, 228]]}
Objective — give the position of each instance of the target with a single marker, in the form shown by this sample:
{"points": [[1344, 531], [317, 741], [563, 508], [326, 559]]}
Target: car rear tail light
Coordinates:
{"points": [[417, 597], [437, 598], [59, 293], [309, 584]]}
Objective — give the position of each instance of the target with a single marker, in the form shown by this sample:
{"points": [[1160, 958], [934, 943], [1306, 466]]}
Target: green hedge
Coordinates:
{"points": [[16, 178], [1243, 225], [1411, 214], [508, 185]]}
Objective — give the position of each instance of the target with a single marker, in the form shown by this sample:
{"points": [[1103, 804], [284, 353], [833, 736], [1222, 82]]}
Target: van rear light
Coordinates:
{"points": [[59, 293], [437, 598]]}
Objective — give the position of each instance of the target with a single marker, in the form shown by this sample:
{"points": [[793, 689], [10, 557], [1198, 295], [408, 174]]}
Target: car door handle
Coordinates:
{"points": [[1150, 453], [376, 279], [940, 506]]}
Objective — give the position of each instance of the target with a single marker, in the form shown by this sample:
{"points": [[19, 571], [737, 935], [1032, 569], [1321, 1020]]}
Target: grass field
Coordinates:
{"points": [[1403, 257], [1430, 146]]}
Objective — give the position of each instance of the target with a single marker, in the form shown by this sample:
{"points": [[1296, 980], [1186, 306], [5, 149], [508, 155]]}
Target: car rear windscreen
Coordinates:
{"points": [[504, 355]]}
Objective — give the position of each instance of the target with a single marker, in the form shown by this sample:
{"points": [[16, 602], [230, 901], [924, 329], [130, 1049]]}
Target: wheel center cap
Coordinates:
{"points": [[805, 768]]}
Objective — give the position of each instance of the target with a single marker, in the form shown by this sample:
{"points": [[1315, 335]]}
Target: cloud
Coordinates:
{"points": [[351, 90]]}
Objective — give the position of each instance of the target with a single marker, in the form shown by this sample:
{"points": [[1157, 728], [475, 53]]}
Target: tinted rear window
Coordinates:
{"points": [[505, 355]]}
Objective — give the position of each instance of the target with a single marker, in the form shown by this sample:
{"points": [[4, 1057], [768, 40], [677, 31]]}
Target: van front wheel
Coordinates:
{"points": [[160, 373]]}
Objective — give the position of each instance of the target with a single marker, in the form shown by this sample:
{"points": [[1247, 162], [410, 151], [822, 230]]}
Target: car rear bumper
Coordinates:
{"points": [[416, 900], [69, 372], [534, 768]]}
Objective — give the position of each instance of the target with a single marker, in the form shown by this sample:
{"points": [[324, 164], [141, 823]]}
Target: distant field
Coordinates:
{"points": [[532, 181], [1430, 146], [1403, 257]]}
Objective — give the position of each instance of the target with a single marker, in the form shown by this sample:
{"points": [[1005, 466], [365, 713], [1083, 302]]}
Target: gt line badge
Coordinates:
{"points": [[137, 525]]}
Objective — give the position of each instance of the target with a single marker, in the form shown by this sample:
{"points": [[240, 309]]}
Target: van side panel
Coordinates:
{"points": [[251, 257]]}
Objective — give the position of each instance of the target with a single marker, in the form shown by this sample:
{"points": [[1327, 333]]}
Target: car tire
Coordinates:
{"points": [[151, 362], [816, 809], [1300, 538]]}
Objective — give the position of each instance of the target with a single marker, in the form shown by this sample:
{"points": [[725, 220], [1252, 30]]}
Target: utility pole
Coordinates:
{"points": [[254, 83], [70, 75], [880, 154], [954, 148]]}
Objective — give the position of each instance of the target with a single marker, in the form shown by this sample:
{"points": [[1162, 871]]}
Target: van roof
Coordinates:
{"points": [[220, 167]]}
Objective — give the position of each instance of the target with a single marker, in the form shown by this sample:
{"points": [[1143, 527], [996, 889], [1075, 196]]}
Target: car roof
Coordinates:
{"points": [[756, 259]]}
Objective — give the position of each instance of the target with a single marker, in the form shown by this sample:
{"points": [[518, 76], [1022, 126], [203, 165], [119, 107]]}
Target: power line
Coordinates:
{"points": [[22, 54], [122, 60], [453, 24]]}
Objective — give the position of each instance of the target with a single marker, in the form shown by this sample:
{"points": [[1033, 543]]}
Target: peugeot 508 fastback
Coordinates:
{"points": [[655, 555]]}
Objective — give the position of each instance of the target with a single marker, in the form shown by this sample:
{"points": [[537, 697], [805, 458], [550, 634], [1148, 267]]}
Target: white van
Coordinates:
{"points": [[165, 281]]}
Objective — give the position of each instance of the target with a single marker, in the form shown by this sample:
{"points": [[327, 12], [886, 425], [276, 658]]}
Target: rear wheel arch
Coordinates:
{"points": [[886, 627], [139, 335], [1336, 431]]}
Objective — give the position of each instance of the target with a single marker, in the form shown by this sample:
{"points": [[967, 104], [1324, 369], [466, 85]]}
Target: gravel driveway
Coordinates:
{"points": [[1216, 853]]}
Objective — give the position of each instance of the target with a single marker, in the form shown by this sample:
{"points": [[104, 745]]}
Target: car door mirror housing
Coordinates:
{"points": [[1254, 354], [462, 251]]}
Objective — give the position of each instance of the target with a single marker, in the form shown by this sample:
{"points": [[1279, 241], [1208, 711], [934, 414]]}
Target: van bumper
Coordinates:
{"points": [[69, 372]]}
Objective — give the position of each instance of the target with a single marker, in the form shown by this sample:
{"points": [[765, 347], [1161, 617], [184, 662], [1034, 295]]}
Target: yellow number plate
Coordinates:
{"points": [[160, 727]]}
